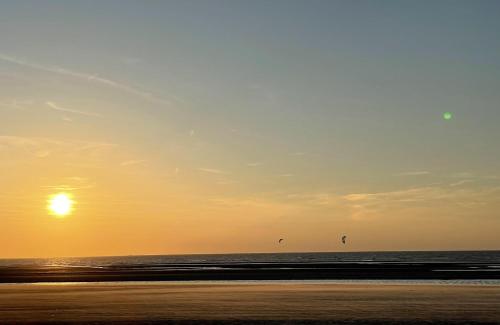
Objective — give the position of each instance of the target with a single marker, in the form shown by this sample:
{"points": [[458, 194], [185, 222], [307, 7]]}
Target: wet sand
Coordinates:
{"points": [[248, 303]]}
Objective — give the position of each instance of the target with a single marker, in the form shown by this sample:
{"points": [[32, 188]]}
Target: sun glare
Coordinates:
{"points": [[60, 204]]}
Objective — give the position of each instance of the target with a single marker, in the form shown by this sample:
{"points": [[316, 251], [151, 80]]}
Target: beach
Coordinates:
{"points": [[249, 303], [299, 288]]}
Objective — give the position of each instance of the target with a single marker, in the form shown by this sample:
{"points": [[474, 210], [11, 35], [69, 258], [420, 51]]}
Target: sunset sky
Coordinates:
{"points": [[222, 126]]}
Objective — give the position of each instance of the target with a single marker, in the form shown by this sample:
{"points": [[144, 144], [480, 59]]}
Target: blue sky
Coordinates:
{"points": [[276, 103]]}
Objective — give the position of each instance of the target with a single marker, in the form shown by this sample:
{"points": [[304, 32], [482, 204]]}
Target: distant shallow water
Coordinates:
{"points": [[353, 267], [492, 257]]}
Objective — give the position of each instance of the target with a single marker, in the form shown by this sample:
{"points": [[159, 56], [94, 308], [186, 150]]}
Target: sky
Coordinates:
{"points": [[221, 126]]}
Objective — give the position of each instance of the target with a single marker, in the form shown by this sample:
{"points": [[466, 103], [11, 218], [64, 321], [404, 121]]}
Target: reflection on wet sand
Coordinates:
{"points": [[250, 302]]}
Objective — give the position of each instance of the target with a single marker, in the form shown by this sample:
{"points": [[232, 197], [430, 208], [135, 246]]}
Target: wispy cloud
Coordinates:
{"points": [[37, 147], [462, 182], [318, 198], [413, 173], [86, 77], [284, 175], [15, 103], [407, 195], [131, 60], [71, 184], [44, 147], [133, 162], [298, 153], [463, 175], [424, 195], [57, 107], [254, 164], [226, 182], [255, 205], [460, 199], [213, 171]]}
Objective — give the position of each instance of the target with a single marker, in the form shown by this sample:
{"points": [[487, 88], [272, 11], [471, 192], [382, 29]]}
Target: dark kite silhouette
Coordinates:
{"points": [[279, 241], [343, 239]]}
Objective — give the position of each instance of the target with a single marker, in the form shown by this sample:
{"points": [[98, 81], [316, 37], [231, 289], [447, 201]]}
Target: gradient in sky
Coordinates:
{"points": [[221, 126]]}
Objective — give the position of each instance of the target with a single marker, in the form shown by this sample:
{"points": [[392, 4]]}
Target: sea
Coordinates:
{"points": [[450, 267], [485, 257]]}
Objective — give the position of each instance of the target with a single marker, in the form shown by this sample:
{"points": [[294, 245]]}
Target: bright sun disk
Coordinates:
{"points": [[60, 204]]}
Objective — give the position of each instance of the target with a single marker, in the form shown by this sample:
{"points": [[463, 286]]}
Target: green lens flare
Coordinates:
{"points": [[447, 116]]}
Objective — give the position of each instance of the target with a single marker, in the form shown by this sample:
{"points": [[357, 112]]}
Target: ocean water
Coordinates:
{"points": [[213, 260]]}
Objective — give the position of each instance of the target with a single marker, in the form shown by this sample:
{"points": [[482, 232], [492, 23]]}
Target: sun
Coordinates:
{"points": [[60, 204]]}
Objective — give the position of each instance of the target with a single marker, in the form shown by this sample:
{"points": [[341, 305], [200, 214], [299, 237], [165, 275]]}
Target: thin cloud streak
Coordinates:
{"points": [[413, 173], [254, 164], [132, 162], [88, 77], [56, 107], [19, 104], [423, 194], [213, 171], [43, 147], [462, 182]]}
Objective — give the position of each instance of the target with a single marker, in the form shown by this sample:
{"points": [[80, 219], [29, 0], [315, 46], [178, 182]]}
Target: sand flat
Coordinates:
{"points": [[116, 302]]}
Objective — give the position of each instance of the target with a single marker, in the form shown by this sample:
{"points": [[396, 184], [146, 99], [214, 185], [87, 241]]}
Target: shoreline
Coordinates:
{"points": [[465, 283]]}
